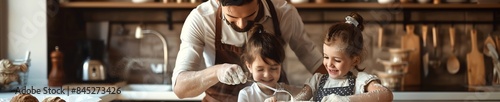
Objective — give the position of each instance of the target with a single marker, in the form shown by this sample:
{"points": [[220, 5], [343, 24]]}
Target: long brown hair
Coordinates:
{"points": [[263, 44], [350, 36]]}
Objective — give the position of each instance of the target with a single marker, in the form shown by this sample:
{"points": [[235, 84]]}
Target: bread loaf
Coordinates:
{"points": [[53, 99], [24, 98]]}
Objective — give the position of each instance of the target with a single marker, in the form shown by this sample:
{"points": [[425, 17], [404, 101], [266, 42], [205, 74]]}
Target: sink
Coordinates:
{"points": [[147, 87]]}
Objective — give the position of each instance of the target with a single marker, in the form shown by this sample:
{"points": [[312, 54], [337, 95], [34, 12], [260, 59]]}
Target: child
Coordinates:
{"points": [[343, 52], [263, 55]]}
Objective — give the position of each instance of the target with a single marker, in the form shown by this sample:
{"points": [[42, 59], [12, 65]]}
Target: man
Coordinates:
{"points": [[213, 34]]}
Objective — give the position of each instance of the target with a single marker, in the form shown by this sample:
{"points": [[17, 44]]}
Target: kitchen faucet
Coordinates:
{"points": [[139, 33]]}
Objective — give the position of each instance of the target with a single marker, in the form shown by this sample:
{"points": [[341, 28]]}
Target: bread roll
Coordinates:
{"points": [[24, 98], [53, 99]]}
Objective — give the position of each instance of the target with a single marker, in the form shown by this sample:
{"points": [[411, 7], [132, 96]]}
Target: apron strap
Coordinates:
{"points": [[218, 31], [277, 32], [274, 15], [322, 81]]}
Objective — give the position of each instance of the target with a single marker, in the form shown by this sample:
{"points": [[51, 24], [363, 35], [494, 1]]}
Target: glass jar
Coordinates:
{"points": [[282, 96], [13, 74]]}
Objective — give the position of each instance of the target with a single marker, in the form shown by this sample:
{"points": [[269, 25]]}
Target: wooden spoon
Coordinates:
{"points": [[426, 55], [380, 35], [453, 65], [434, 37]]}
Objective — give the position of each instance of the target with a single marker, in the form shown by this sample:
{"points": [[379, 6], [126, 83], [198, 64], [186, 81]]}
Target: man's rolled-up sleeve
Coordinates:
{"points": [[191, 47]]}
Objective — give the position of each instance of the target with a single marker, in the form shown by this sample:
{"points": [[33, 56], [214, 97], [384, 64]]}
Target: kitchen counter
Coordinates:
{"points": [[7, 96], [170, 96], [443, 96], [152, 96], [150, 92], [398, 96], [125, 95]]}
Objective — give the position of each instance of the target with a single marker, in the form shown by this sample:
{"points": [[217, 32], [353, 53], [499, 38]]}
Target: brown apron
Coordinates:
{"points": [[225, 53]]}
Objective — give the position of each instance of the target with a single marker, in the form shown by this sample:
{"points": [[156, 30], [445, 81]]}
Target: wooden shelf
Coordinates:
{"points": [[395, 6], [298, 6], [129, 5]]}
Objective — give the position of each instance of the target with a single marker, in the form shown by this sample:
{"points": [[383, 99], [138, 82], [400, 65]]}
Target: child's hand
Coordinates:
{"points": [[335, 98], [231, 74], [270, 99]]}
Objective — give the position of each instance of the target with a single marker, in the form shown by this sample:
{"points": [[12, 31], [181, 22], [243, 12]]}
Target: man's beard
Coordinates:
{"points": [[244, 29]]}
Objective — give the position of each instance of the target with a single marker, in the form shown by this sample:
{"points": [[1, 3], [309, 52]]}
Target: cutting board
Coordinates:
{"points": [[412, 42], [475, 63]]}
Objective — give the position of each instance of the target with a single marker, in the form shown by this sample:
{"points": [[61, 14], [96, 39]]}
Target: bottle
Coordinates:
{"points": [[56, 76], [436, 1], [321, 1]]}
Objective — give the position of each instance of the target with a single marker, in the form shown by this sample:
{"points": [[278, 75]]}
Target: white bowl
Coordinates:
{"points": [[141, 1], [299, 1], [455, 1], [385, 1], [423, 1]]}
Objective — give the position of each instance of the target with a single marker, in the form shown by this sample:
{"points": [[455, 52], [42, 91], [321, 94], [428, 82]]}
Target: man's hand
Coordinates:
{"points": [[231, 74]]}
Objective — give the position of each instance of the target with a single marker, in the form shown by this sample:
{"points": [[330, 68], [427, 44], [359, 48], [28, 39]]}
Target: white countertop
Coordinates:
{"points": [[7, 96], [435, 96], [170, 96], [429, 96], [125, 95]]}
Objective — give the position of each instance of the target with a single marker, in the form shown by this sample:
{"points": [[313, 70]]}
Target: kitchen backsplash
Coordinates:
{"points": [[127, 54]]}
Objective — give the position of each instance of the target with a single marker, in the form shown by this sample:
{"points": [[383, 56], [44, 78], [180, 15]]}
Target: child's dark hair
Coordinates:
{"points": [[350, 36], [263, 44], [234, 2]]}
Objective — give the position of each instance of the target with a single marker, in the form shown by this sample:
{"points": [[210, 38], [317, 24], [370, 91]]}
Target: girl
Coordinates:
{"points": [[343, 52], [263, 55]]}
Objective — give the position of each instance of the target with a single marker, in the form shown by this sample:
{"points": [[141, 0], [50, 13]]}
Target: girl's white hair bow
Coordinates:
{"points": [[351, 20]]}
